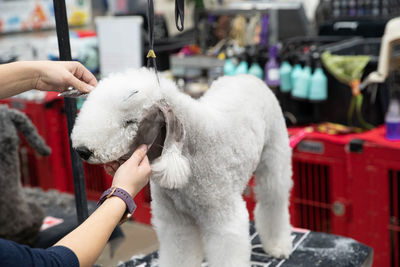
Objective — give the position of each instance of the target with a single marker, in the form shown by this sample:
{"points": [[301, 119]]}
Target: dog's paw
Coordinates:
{"points": [[279, 249]]}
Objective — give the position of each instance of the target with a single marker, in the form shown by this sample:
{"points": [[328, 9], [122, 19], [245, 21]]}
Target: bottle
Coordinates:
{"points": [[302, 87], [255, 69], [392, 120], [285, 76], [229, 67], [272, 68], [243, 67], [297, 70], [319, 84]]}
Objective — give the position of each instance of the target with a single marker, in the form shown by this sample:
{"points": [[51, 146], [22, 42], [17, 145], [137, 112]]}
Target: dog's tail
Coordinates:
{"points": [[273, 185], [25, 126]]}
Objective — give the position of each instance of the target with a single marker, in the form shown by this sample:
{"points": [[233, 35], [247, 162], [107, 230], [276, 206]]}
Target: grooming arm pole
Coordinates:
{"points": [[70, 109]]}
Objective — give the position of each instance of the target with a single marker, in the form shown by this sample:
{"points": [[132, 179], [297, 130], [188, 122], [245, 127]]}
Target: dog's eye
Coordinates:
{"points": [[130, 122]]}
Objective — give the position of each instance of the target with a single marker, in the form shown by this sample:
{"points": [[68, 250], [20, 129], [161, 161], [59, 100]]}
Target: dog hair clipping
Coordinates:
{"points": [[73, 93]]}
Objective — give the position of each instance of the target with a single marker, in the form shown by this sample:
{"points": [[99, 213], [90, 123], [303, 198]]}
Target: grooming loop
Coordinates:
{"points": [[179, 21]]}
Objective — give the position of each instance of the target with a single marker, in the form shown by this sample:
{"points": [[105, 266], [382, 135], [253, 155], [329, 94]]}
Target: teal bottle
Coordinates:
{"points": [[319, 86], [297, 70], [256, 70], [229, 67], [303, 82], [242, 68], [285, 76]]}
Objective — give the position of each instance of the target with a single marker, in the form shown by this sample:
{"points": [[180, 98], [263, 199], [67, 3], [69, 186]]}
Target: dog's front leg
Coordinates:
{"points": [[179, 237], [226, 236], [180, 245]]}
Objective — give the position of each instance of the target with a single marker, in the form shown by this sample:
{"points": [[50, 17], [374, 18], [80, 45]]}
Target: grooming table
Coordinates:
{"points": [[310, 249]]}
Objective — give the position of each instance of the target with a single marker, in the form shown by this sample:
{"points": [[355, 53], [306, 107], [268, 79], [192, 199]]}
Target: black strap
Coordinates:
{"points": [[151, 56], [179, 14], [70, 110]]}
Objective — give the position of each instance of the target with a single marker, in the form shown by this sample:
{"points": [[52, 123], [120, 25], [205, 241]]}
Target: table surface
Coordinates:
{"points": [[310, 249]]}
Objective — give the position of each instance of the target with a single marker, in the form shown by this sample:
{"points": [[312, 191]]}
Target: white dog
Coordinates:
{"points": [[203, 154]]}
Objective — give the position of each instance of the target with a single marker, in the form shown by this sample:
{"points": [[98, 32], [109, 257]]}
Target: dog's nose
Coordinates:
{"points": [[84, 152]]}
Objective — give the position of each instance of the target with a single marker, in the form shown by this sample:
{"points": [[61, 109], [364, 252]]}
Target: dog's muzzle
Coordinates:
{"points": [[84, 152]]}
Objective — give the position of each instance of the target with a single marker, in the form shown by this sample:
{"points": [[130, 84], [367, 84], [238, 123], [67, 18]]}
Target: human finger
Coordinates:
{"points": [[78, 84], [138, 155], [85, 75]]}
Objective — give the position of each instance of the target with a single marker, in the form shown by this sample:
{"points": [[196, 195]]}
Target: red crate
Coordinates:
{"points": [[319, 201], [53, 171], [375, 176], [356, 194]]}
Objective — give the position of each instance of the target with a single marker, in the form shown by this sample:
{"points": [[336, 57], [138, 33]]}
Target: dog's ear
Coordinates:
{"points": [[172, 169]]}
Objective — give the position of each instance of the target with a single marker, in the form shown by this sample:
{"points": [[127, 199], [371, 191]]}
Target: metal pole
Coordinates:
{"points": [[70, 110]]}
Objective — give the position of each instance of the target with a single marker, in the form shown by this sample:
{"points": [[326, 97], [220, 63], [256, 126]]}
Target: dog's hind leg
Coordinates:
{"points": [[273, 185], [179, 236], [225, 233]]}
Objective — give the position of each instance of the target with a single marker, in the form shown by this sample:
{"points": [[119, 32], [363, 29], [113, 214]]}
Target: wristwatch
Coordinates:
{"points": [[125, 196]]}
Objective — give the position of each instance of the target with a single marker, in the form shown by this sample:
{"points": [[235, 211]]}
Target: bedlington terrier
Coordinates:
{"points": [[203, 152], [21, 217]]}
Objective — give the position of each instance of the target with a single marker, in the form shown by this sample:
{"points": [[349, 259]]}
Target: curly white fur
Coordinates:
{"points": [[172, 170], [212, 147]]}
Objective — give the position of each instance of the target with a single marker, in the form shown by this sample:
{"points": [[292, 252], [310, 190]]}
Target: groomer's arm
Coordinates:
{"points": [[18, 77], [88, 240]]}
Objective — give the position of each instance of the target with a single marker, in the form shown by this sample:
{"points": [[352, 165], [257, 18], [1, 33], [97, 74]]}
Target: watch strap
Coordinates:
{"points": [[122, 194]]}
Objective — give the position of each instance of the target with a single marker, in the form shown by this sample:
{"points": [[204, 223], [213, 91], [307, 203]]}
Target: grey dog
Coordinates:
{"points": [[20, 218]]}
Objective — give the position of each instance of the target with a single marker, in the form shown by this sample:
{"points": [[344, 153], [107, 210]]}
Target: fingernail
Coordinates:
{"points": [[89, 88], [143, 147]]}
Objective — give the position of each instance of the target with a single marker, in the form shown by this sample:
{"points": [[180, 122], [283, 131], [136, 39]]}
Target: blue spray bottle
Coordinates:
{"points": [[285, 76], [319, 84], [255, 68], [243, 67], [303, 82], [230, 63], [296, 71]]}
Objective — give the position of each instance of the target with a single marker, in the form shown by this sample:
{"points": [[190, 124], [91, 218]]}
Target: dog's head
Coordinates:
{"points": [[123, 112]]}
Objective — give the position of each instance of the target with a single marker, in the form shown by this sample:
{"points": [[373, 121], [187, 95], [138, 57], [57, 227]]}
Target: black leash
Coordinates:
{"points": [[179, 21], [70, 110], [151, 55]]}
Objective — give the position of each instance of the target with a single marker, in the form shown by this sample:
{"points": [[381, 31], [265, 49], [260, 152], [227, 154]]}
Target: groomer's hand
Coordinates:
{"points": [[133, 174], [59, 75]]}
